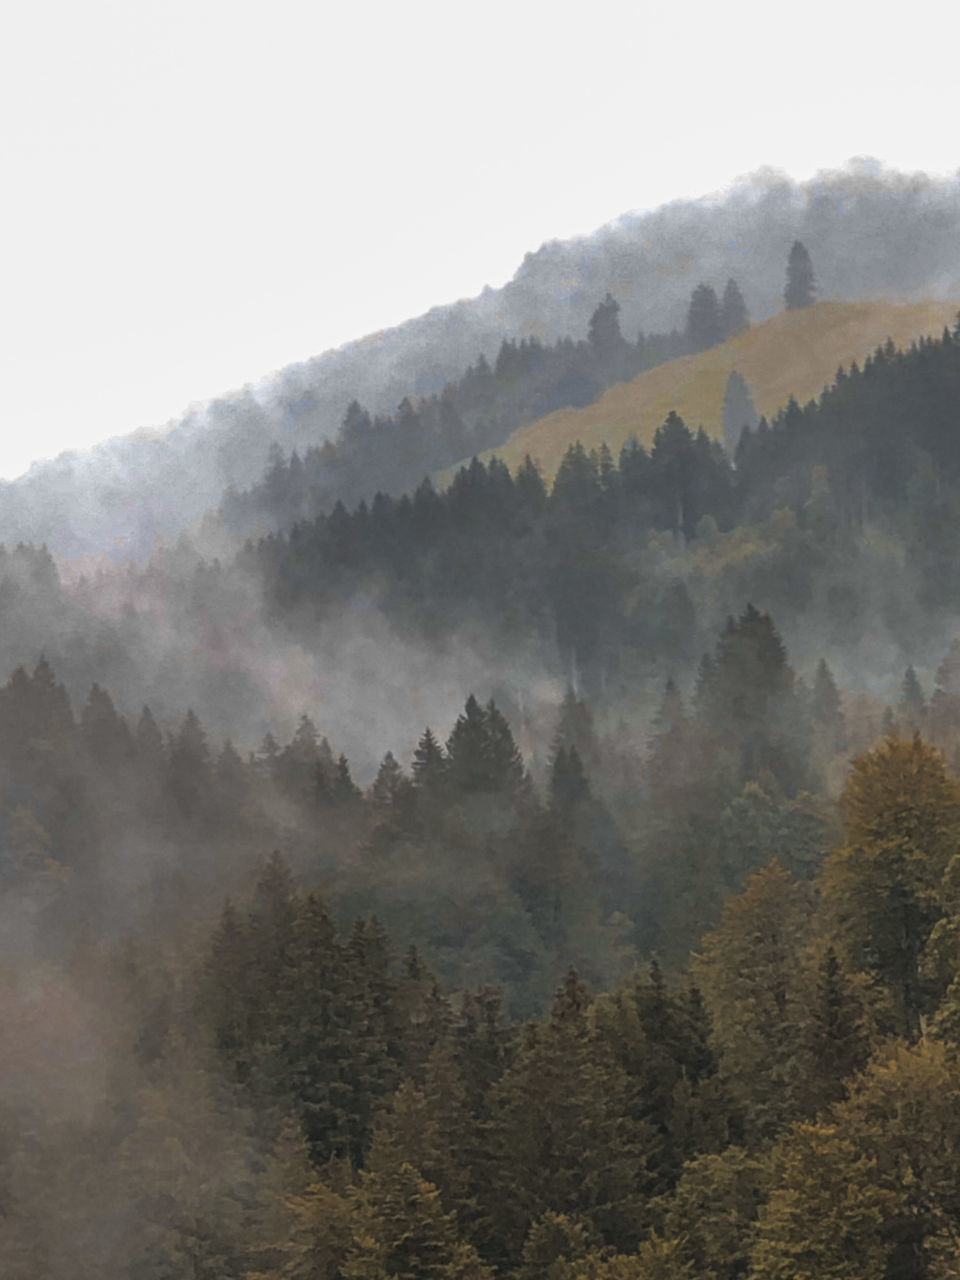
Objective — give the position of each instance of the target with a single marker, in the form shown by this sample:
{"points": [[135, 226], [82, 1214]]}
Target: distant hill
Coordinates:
{"points": [[871, 235], [794, 353]]}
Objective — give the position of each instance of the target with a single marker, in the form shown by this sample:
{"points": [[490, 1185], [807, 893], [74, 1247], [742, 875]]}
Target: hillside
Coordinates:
{"points": [[871, 234], [794, 353]]}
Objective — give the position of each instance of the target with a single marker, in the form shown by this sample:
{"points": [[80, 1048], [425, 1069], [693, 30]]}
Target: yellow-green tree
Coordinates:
{"points": [[824, 1219], [750, 974], [883, 887], [876, 1191], [712, 1211], [401, 1232]]}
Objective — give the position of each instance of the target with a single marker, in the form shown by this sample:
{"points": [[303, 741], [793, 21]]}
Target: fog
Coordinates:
{"points": [[872, 234], [603, 795]]}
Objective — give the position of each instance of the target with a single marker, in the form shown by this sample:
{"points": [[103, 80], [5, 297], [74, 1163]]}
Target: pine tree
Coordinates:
{"points": [[505, 763], [827, 707], [704, 322], [388, 784], [575, 728], [748, 968], [604, 331], [746, 701], [561, 1136], [189, 770], [482, 756], [913, 704], [401, 1232], [314, 1045], [466, 749], [149, 741], [734, 317], [344, 790], [568, 782], [429, 764], [834, 1041], [104, 732], [231, 784], [739, 412], [801, 287]]}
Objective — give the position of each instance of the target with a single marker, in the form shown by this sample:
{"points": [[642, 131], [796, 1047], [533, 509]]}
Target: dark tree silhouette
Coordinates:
{"points": [[704, 323], [801, 289]]}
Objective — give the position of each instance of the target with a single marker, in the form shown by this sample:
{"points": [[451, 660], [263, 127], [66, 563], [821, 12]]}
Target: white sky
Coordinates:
{"points": [[196, 192]]}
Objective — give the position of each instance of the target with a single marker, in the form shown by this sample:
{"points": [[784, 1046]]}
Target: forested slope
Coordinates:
{"points": [[872, 235], [795, 353]]}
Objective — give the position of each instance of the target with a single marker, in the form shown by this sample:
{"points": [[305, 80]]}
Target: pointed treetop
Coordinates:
{"points": [[801, 288]]}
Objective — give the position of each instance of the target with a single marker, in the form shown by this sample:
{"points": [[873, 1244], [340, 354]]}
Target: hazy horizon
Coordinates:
{"points": [[186, 220]]}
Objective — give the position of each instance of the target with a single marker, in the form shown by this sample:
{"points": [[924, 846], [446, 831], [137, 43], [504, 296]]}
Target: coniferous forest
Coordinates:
{"points": [[495, 874]]}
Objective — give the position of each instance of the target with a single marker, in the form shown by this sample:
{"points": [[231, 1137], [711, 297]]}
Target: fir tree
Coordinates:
{"points": [[913, 704], [734, 317], [704, 322], [429, 764], [827, 707], [801, 287], [388, 783], [739, 412], [604, 331], [568, 782]]}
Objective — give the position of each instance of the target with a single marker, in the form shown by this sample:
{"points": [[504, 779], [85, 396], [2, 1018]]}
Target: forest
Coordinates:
{"points": [[520, 876]]}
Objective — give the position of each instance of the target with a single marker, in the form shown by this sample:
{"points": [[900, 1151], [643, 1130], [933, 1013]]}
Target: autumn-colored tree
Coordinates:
{"points": [[749, 971], [401, 1232], [825, 1216], [882, 888], [876, 1190], [713, 1209]]}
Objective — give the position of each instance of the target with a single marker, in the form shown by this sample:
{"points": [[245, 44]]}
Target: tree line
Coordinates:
{"points": [[479, 411]]}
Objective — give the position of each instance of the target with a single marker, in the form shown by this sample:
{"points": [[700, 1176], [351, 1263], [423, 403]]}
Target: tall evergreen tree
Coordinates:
{"points": [[734, 317], [704, 321], [801, 288], [739, 411], [827, 707], [912, 703], [429, 764], [604, 332]]}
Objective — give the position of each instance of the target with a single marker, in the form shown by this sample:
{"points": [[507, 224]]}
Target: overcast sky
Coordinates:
{"points": [[197, 192]]}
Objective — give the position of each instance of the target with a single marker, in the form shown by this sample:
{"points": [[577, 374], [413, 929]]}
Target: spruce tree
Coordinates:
{"points": [[834, 1041], [429, 764], [604, 332], [505, 763], [104, 732], [801, 289], [568, 782], [704, 322], [561, 1135], [388, 783], [401, 1232], [912, 703], [739, 411], [734, 317], [344, 790], [149, 741], [467, 749], [827, 707]]}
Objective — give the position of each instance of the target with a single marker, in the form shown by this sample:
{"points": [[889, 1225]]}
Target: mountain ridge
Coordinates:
{"points": [[870, 233]]}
